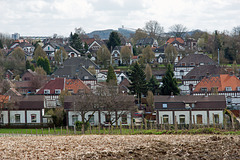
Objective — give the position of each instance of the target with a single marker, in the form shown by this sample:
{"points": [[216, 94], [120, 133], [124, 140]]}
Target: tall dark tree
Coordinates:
{"points": [[28, 65], [138, 83], [76, 42], [169, 83], [114, 40], [44, 63], [1, 45], [153, 85], [111, 76]]}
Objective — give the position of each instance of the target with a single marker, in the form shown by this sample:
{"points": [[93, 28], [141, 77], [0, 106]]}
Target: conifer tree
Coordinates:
{"points": [[138, 83], [111, 76], [153, 85], [169, 82]]}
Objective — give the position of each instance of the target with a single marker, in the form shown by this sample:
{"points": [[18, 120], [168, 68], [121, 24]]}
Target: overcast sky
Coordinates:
{"points": [[46, 17]]}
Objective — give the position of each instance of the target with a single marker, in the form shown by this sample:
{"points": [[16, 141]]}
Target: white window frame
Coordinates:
{"points": [[17, 120], [228, 88], [57, 91], [165, 119], [164, 105], [182, 117], [46, 91]]}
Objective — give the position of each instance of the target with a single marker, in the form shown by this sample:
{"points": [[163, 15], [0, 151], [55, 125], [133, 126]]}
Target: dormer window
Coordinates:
{"points": [[187, 106], [57, 91], [183, 64], [164, 105], [238, 88], [46, 91], [204, 89], [85, 77], [228, 88], [192, 64]]}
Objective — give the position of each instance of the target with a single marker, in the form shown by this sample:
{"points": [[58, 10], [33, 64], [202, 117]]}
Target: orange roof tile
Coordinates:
{"points": [[88, 40], [221, 81], [179, 39], [75, 85]]}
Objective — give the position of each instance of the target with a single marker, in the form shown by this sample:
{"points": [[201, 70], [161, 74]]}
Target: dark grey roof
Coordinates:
{"points": [[31, 102], [158, 72], [145, 41], [200, 102], [198, 72], [72, 71], [69, 49], [196, 59], [76, 61], [159, 49]]}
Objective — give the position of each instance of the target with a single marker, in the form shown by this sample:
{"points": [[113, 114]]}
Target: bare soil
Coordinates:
{"points": [[121, 147]]}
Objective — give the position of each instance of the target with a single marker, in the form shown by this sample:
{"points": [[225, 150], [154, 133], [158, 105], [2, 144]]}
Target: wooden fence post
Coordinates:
{"points": [[109, 128], [99, 129], [161, 122], [145, 121], [233, 126], [151, 125], [54, 129], [175, 123], [61, 130], [36, 132], [194, 122], [67, 129], [90, 129], [213, 121], [42, 131], [132, 125], [48, 130]]}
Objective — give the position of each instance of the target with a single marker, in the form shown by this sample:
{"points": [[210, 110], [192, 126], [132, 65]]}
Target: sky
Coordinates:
{"points": [[46, 17]]}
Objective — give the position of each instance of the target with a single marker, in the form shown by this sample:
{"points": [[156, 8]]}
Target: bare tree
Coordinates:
{"points": [[236, 31], [170, 53], [81, 33], [178, 30], [154, 29], [39, 78]]}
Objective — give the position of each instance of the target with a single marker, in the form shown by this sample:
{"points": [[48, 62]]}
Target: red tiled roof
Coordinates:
{"points": [[135, 57], [75, 85], [88, 40], [172, 39], [57, 83], [221, 81], [3, 99]]}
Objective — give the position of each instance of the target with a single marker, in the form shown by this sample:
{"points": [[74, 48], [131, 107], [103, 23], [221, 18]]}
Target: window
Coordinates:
{"points": [[181, 72], [216, 118], [204, 89], [193, 105], [124, 119], [201, 64], [115, 55], [57, 91], [199, 119], [228, 88], [108, 118], [187, 106], [164, 105], [229, 100], [183, 64], [85, 77], [1, 119], [182, 119], [33, 118], [214, 89], [192, 64], [238, 88], [17, 118], [74, 119], [46, 91], [165, 119], [91, 119]]}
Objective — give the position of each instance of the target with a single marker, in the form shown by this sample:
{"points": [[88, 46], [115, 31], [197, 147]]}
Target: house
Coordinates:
{"points": [[159, 74], [50, 48], [177, 42], [187, 63], [93, 44], [101, 116], [223, 84], [116, 56], [53, 88], [28, 110], [191, 44], [102, 76], [159, 54], [27, 47], [123, 86], [201, 110], [71, 51], [192, 78], [147, 42]]}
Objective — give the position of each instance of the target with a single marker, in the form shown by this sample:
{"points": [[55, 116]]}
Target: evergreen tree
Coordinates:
{"points": [[114, 40], [1, 45], [169, 82], [44, 63], [111, 76], [153, 85], [28, 65], [138, 83], [75, 42]]}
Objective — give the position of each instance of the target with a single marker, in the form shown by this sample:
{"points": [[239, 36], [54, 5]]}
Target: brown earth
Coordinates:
{"points": [[121, 147]]}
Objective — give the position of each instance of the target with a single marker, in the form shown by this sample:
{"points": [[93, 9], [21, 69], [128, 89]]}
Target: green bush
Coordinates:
{"points": [[79, 125]]}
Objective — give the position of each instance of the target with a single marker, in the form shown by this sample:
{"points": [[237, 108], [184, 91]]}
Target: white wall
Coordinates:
{"points": [[170, 117], [12, 116], [204, 116], [186, 113], [5, 117], [220, 113], [37, 112]]}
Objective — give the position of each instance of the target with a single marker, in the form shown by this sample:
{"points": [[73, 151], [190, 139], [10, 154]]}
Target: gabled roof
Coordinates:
{"points": [[197, 59], [12, 92], [56, 83], [31, 102], [89, 41], [69, 49], [145, 41], [199, 72], [200, 102], [76, 61], [175, 40], [220, 81], [73, 71], [158, 72], [76, 85]]}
